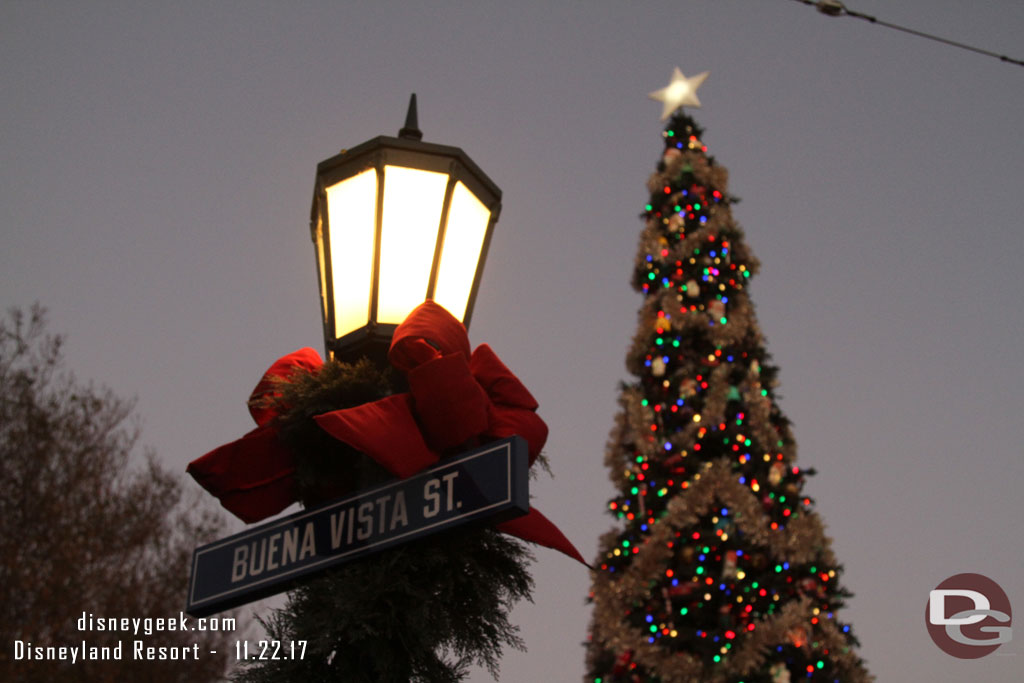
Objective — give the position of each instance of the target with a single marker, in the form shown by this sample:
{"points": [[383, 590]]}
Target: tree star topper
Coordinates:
{"points": [[682, 91]]}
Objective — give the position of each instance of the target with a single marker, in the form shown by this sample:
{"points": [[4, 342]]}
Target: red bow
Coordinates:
{"points": [[456, 399]]}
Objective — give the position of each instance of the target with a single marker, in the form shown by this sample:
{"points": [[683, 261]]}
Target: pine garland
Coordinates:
{"points": [[421, 612]]}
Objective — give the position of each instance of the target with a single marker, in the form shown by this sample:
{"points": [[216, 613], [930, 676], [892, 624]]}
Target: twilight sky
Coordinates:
{"points": [[158, 164]]}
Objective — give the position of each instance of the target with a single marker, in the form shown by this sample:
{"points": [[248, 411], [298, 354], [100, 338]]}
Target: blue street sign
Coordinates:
{"points": [[490, 481]]}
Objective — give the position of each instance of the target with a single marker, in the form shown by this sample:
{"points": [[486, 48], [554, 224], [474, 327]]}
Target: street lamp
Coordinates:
{"points": [[397, 221]]}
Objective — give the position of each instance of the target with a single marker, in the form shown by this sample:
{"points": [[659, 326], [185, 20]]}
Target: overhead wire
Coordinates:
{"points": [[835, 8]]}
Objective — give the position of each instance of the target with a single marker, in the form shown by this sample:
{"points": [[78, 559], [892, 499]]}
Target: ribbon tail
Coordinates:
{"points": [[252, 477], [536, 528], [386, 430]]}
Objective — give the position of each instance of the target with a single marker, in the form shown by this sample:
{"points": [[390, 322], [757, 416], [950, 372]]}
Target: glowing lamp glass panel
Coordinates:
{"points": [[351, 210], [413, 201], [321, 269], [460, 252]]}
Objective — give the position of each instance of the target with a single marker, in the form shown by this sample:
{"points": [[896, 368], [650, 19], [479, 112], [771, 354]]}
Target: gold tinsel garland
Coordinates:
{"points": [[801, 541]]}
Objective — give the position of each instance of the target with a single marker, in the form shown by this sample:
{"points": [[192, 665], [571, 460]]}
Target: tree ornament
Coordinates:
{"points": [[681, 590], [776, 473], [716, 309], [692, 289], [622, 663], [680, 92], [811, 587], [797, 636], [658, 366], [729, 563], [779, 673], [725, 526]]}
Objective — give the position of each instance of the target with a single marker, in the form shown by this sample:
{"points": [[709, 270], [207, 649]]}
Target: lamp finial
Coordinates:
{"points": [[411, 129]]}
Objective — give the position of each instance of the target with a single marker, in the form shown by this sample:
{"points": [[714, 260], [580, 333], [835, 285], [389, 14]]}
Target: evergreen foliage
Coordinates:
{"points": [[421, 612], [718, 569]]}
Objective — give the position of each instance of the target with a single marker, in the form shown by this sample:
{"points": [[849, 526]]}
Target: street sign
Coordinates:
{"points": [[490, 481]]}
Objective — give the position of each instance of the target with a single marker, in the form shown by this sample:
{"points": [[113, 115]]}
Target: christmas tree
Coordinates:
{"points": [[718, 569]]}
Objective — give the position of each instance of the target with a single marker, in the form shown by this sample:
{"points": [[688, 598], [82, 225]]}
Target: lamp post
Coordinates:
{"points": [[396, 221]]}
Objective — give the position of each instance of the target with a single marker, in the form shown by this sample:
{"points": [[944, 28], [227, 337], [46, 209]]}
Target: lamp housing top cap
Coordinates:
{"points": [[409, 150]]}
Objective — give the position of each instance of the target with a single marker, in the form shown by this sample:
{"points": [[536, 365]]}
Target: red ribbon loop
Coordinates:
{"points": [[456, 400], [261, 405], [254, 477]]}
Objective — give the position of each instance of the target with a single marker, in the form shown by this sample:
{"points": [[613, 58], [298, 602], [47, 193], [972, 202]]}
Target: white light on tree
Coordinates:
{"points": [[396, 221]]}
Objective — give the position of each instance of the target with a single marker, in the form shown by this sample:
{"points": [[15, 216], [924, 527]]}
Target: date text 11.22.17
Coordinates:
{"points": [[270, 649]]}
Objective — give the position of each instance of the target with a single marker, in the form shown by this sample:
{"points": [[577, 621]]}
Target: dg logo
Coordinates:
{"points": [[968, 616]]}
